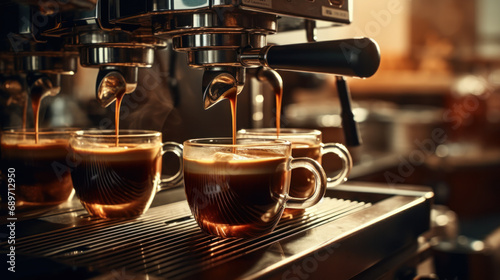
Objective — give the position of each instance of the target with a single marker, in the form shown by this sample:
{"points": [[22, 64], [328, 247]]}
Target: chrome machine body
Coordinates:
{"points": [[223, 37]]}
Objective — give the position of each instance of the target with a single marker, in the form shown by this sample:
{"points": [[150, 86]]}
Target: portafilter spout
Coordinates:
{"points": [[113, 81], [271, 76], [220, 82], [41, 85]]}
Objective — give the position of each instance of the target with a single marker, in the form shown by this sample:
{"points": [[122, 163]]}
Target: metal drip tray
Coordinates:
{"points": [[352, 229]]}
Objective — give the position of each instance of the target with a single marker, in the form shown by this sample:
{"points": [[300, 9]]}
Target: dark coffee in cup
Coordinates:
{"points": [[117, 181], [42, 175], [119, 177], [236, 197], [241, 190], [305, 143]]}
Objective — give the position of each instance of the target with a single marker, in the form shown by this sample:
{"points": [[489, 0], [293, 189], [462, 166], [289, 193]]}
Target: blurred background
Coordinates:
{"points": [[429, 116]]}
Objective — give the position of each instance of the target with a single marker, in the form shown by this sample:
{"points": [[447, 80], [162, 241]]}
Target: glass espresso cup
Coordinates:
{"points": [[241, 190], [305, 143], [120, 181], [38, 171]]}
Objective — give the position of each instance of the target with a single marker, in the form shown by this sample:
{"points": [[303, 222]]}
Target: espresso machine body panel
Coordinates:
{"points": [[339, 11], [327, 10]]}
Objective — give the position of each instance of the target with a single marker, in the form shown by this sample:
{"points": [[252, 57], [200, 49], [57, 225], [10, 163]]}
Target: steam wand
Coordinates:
{"points": [[349, 125]]}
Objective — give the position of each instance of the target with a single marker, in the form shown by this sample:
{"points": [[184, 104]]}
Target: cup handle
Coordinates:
{"points": [[320, 183], [176, 179], [342, 152]]}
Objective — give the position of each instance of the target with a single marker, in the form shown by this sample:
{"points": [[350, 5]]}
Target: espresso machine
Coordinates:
{"points": [[359, 231], [223, 38]]}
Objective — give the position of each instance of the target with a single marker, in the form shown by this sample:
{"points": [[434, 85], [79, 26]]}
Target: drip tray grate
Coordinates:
{"points": [[165, 242]]}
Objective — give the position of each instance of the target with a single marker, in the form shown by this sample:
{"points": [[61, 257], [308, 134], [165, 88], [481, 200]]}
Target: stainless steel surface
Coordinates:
{"points": [[366, 222], [117, 56], [49, 62]]}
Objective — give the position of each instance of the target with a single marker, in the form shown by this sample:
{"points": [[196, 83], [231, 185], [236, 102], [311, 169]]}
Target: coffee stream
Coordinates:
{"points": [[279, 97], [232, 96], [119, 98], [36, 100]]}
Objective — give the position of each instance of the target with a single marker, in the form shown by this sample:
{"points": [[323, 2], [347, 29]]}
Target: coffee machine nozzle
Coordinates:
{"points": [[113, 81], [219, 83]]}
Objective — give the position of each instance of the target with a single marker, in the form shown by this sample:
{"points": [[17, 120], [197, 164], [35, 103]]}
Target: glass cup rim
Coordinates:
{"points": [[111, 133], [228, 142], [284, 130], [41, 131]]}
